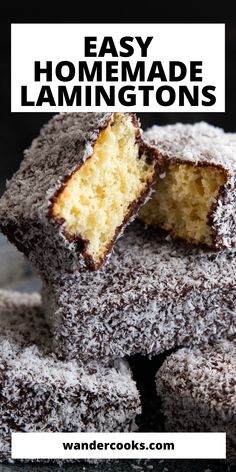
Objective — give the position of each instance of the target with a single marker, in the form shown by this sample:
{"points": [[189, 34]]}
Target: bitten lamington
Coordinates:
{"points": [[153, 295], [80, 182], [195, 199], [198, 390], [41, 393]]}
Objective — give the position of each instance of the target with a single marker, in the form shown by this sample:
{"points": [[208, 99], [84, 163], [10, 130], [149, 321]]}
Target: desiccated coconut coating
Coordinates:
{"points": [[195, 199], [198, 390], [80, 182], [22, 320], [41, 393], [199, 143], [153, 295]]}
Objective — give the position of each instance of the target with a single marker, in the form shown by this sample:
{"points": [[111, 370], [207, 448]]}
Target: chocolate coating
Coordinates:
{"points": [[204, 145], [152, 295], [198, 390], [41, 393], [62, 147]]}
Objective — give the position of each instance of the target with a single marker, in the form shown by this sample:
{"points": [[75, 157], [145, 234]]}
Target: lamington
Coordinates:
{"points": [[195, 198], [152, 296], [197, 388], [41, 393], [79, 184]]}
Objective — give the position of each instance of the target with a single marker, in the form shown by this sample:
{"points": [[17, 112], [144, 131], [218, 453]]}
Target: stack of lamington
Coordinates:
{"points": [[169, 282]]}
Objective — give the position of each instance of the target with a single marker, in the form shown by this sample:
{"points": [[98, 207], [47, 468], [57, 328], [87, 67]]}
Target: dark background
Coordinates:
{"points": [[18, 129]]}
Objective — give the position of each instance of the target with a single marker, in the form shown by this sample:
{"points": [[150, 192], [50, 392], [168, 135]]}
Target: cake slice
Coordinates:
{"points": [[80, 182], [198, 390], [41, 393], [195, 198], [153, 295]]}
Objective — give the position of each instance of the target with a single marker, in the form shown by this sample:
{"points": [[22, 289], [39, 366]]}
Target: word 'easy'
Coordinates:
{"points": [[108, 46]]}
